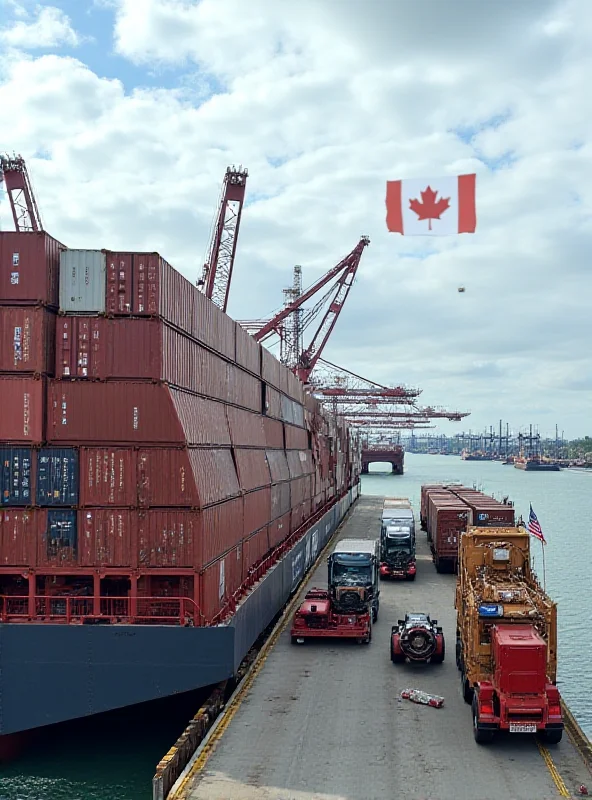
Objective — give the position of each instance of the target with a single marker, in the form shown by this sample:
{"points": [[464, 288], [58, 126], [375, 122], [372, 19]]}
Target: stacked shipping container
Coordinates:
{"points": [[447, 511], [151, 447]]}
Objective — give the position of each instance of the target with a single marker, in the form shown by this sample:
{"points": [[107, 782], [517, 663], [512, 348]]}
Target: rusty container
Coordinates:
{"points": [[219, 582], [18, 530], [274, 433], [255, 548], [107, 537], [27, 339], [252, 468], [29, 269], [168, 538], [246, 428], [23, 409], [296, 438], [165, 478], [248, 351], [214, 474], [221, 530], [108, 477], [257, 510], [279, 529]]}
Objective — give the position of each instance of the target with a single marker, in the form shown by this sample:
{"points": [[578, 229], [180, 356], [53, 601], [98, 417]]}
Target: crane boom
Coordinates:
{"points": [[217, 271], [25, 213]]}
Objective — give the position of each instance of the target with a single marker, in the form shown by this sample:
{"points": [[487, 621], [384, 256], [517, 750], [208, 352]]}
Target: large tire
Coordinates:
{"points": [[410, 577], [553, 736], [375, 613], [466, 689], [439, 658], [481, 736], [438, 565], [397, 658]]}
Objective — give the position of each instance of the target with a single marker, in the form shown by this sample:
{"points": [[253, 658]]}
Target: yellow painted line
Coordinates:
{"points": [[227, 715], [557, 779]]}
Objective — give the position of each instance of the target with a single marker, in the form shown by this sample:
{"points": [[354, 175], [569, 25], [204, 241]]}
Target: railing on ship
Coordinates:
{"points": [[68, 609], [86, 610]]}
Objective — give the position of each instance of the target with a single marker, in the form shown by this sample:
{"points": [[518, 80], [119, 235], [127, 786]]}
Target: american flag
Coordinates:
{"points": [[534, 526]]}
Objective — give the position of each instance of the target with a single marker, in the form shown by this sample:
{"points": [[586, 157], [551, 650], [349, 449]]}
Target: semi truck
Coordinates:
{"points": [[506, 637], [350, 604], [397, 552]]}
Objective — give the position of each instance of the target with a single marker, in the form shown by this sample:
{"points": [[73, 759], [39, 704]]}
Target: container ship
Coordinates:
{"points": [[165, 483]]}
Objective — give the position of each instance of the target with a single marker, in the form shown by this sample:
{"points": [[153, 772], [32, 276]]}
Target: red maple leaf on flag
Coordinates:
{"points": [[429, 208]]}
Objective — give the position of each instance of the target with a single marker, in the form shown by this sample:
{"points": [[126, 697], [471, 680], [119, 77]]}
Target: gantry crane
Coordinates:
{"points": [[217, 271], [304, 361], [25, 213]]}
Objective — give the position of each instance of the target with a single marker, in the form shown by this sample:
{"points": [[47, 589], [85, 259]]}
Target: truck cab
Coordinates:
{"points": [[397, 551], [353, 568]]}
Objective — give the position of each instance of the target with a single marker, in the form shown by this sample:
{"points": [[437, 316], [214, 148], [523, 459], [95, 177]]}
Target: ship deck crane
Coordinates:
{"points": [[25, 212], [217, 270], [344, 273]]}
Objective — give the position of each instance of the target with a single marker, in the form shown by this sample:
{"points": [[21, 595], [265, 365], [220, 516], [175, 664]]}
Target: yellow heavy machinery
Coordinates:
{"points": [[506, 638]]}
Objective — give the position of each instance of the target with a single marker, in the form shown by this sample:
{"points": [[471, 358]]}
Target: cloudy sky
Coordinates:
{"points": [[129, 111]]}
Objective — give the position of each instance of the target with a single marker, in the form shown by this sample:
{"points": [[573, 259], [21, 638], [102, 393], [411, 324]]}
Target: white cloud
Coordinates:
{"points": [[49, 28], [323, 104]]}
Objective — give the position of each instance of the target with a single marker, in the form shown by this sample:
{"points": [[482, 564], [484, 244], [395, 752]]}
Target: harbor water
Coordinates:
{"points": [[114, 756]]}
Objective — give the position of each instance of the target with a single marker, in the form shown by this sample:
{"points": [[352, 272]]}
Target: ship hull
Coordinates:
{"points": [[55, 673], [530, 466]]}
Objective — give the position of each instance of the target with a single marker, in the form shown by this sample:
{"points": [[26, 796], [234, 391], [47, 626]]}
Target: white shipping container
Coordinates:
{"points": [[83, 280]]}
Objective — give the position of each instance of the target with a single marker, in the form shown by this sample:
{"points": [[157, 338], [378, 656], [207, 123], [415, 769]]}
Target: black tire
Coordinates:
{"points": [[466, 689], [294, 640], [438, 659], [396, 658], [410, 577], [374, 614], [481, 736], [438, 565], [553, 736]]}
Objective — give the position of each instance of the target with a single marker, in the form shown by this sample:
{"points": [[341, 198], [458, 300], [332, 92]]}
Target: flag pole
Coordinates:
{"points": [[544, 570]]}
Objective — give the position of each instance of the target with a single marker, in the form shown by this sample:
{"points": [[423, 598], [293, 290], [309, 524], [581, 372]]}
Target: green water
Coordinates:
{"points": [[113, 757]]}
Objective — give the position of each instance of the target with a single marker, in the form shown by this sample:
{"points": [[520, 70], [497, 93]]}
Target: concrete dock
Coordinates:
{"points": [[323, 720]]}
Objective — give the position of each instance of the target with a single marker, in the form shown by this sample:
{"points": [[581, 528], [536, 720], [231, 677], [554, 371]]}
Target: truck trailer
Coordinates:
{"points": [[506, 637]]}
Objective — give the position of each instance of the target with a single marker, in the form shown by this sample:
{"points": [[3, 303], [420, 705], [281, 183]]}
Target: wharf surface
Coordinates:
{"points": [[323, 720]]}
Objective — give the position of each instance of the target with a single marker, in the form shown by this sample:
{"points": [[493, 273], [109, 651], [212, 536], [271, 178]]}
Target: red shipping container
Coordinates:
{"points": [[296, 463], [219, 582], [273, 403], [270, 370], [255, 548], [246, 428], [243, 389], [27, 339], [203, 421], [295, 388], [122, 411], [29, 268], [22, 416], [491, 515], [168, 538], [257, 510], [17, 537], [211, 326], [296, 438], [284, 378], [248, 351], [252, 469], [165, 478], [278, 465], [280, 499], [119, 283], [107, 537], [300, 490], [222, 529], [108, 477], [297, 518], [274, 433], [215, 475], [279, 529], [97, 347]]}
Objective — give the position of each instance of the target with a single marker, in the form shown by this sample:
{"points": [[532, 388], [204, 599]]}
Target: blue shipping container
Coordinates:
{"points": [[61, 530], [16, 472], [57, 476]]}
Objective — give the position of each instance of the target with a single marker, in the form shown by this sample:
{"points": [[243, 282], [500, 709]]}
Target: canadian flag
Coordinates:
{"points": [[431, 206]]}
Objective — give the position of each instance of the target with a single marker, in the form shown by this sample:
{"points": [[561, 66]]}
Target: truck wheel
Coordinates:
{"points": [[410, 577], [374, 614], [481, 736], [552, 736], [297, 640], [438, 659], [466, 688]]}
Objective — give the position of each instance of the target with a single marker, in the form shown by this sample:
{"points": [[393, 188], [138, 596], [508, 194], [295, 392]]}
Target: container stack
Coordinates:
{"points": [[174, 453]]}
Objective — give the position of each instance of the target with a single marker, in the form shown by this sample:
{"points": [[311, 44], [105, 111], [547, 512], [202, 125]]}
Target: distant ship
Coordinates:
{"points": [[535, 464]]}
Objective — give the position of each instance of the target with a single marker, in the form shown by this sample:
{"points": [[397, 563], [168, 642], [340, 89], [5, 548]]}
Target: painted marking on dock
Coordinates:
{"points": [[557, 779], [224, 720]]}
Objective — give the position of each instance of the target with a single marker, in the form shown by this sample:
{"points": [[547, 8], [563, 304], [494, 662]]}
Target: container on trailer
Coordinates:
{"points": [[27, 339], [29, 268], [23, 403], [489, 515], [16, 476], [82, 281], [57, 482]]}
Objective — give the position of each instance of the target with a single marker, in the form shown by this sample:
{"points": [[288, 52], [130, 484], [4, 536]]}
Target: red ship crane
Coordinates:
{"points": [[345, 273], [217, 271], [25, 213]]}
